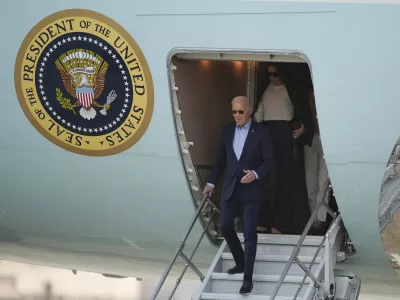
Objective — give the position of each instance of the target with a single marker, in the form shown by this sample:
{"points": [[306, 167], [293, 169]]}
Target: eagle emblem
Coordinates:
{"points": [[83, 74]]}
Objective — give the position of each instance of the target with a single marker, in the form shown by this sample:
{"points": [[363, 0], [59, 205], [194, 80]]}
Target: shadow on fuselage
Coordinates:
{"points": [[8, 235]]}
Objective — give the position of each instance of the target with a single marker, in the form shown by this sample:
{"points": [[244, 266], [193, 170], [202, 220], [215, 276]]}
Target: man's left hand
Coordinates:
{"points": [[249, 177]]}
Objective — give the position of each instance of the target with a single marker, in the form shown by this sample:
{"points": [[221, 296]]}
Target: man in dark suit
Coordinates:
{"points": [[246, 156]]}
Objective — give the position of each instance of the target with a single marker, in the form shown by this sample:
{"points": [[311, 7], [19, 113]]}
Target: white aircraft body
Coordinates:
{"points": [[112, 112]]}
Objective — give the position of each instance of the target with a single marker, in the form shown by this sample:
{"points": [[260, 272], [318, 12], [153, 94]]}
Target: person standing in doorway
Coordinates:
{"points": [[246, 156], [316, 172], [277, 109]]}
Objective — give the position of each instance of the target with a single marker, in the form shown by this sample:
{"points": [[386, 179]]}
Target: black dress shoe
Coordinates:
{"points": [[236, 269], [247, 286]]}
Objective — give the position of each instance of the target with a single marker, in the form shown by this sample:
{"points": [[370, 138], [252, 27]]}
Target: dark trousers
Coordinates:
{"points": [[250, 211], [277, 209]]}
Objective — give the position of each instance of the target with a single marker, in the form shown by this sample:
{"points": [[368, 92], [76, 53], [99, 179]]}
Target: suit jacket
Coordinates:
{"points": [[257, 155], [302, 111]]}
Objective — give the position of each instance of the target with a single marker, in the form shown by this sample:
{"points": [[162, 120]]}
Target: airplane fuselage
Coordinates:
{"points": [[122, 206]]}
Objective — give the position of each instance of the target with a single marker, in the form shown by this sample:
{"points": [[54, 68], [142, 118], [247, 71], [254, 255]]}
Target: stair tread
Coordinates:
{"points": [[259, 277], [275, 258], [217, 296], [285, 239]]}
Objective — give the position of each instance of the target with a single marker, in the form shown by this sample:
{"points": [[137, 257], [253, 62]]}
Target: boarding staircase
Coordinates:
{"points": [[287, 267]]}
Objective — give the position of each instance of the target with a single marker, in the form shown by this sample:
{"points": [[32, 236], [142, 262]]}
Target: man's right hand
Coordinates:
{"points": [[208, 189]]}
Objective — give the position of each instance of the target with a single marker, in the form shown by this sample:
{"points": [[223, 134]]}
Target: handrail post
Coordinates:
{"points": [[307, 271], [170, 265], [298, 245], [191, 257], [311, 265], [323, 242], [327, 264], [329, 274], [194, 268], [329, 210]]}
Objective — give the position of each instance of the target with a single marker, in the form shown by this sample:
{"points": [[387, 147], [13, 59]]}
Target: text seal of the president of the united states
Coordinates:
{"points": [[84, 84]]}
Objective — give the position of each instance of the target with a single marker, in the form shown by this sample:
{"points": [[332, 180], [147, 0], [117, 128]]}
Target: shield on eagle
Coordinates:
{"points": [[85, 96], [83, 74]]}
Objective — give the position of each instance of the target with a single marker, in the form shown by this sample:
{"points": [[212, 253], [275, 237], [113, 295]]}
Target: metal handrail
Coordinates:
{"points": [[299, 244], [315, 256], [201, 183], [179, 252]]}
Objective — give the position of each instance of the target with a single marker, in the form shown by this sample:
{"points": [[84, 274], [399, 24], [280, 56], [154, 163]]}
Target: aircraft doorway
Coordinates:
{"points": [[203, 87]]}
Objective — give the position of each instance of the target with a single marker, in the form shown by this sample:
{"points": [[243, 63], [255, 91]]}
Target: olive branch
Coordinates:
{"points": [[65, 102]]}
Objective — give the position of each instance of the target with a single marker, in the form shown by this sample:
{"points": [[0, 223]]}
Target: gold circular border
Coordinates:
{"points": [[146, 70]]}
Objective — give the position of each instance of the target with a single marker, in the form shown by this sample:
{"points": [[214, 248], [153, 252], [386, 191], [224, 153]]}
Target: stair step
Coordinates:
{"points": [[284, 244], [285, 239], [263, 284], [258, 278], [275, 258], [214, 296], [274, 249], [271, 264]]}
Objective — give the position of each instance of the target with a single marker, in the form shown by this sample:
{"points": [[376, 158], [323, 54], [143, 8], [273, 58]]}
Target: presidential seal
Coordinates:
{"points": [[84, 84]]}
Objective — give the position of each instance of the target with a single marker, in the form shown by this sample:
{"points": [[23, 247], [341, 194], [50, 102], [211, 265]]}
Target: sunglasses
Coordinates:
{"points": [[241, 112], [275, 74]]}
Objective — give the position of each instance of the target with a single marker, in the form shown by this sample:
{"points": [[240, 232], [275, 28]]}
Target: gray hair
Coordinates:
{"points": [[242, 99]]}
